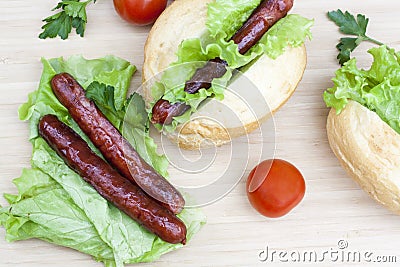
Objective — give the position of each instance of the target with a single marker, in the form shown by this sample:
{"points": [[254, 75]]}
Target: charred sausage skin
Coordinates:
{"points": [[109, 183]]}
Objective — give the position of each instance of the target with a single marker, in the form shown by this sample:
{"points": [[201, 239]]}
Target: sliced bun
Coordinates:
{"points": [[275, 80], [369, 150]]}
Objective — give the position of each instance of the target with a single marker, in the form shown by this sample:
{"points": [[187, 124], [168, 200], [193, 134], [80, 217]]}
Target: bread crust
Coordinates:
{"points": [[276, 79], [369, 150]]}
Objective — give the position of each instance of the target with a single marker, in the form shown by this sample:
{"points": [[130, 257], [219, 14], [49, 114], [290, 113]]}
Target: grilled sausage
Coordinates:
{"points": [[109, 183], [262, 18], [164, 112], [260, 21], [115, 149]]}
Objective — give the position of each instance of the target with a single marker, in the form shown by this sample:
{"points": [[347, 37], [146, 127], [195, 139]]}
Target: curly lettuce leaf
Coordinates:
{"points": [[54, 204], [378, 88], [126, 238], [36, 213], [224, 18]]}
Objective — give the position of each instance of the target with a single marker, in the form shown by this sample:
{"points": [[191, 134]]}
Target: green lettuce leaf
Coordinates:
{"points": [[44, 210], [224, 18], [378, 88], [127, 239], [54, 204]]}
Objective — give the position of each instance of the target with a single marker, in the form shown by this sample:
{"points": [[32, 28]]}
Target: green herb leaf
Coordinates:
{"points": [[348, 24], [103, 96], [345, 47], [57, 24], [79, 25], [72, 15], [76, 9]]}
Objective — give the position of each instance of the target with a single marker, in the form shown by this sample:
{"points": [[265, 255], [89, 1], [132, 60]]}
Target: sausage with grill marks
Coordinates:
{"points": [[109, 183], [115, 149]]}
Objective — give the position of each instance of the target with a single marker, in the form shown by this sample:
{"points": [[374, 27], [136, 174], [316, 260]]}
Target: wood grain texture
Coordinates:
{"points": [[334, 207]]}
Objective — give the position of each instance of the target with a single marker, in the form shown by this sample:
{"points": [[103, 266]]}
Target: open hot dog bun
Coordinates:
{"points": [[369, 150], [275, 79]]}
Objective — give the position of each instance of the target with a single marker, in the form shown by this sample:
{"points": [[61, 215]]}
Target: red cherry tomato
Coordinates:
{"points": [[275, 187], [140, 12]]}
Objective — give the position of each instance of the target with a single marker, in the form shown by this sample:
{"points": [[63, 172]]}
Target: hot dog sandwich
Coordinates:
{"points": [[256, 37], [364, 124]]}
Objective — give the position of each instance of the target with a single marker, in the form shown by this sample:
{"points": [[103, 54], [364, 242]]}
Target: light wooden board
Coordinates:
{"points": [[334, 207]]}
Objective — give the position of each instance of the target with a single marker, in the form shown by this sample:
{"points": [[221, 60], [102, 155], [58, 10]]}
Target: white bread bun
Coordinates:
{"points": [[369, 150], [276, 80]]}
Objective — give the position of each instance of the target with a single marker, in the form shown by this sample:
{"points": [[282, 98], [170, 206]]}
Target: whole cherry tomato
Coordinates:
{"points": [[275, 187], [140, 12]]}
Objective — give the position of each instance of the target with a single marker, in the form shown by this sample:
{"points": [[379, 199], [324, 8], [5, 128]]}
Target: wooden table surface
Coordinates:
{"points": [[334, 207]]}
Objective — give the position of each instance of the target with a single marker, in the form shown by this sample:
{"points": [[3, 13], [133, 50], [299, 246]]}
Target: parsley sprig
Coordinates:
{"points": [[103, 96], [72, 14], [348, 24]]}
